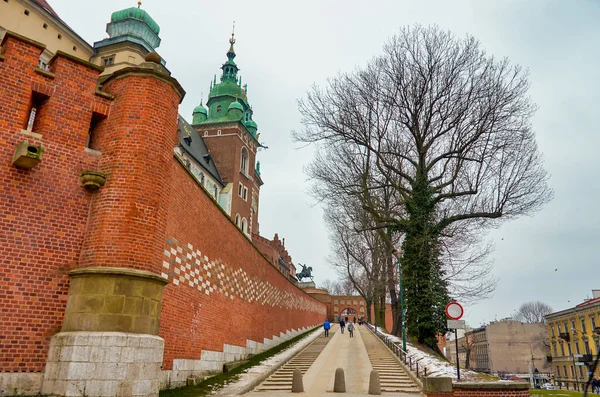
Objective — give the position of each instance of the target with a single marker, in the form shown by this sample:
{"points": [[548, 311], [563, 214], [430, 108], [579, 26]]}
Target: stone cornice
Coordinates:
{"points": [[117, 271], [149, 69]]}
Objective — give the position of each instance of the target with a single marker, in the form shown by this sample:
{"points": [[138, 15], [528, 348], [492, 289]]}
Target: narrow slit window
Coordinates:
{"points": [[92, 138], [33, 118]]}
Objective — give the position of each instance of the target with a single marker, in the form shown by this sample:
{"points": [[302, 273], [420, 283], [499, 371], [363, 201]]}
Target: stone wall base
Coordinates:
{"points": [[20, 383], [444, 387], [211, 362], [103, 364]]}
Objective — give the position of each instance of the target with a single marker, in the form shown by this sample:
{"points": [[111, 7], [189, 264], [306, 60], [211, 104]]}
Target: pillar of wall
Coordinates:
{"points": [[109, 343]]}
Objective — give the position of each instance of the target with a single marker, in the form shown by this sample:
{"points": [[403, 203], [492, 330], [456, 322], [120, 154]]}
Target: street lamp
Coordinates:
{"points": [[402, 324]]}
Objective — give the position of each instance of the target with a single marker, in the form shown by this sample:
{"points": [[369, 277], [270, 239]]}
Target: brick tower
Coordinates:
{"points": [[231, 136]]}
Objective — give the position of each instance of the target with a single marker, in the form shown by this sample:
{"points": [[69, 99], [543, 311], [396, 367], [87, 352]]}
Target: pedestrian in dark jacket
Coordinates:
{"points": [[342, 326], [326, 327], [351, 329]]}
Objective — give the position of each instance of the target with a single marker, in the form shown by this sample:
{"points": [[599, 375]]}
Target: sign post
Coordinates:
{"points": [[454, 311]]}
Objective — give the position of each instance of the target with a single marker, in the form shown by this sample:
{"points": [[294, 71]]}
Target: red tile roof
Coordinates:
{"points": [[589, 302], [44, 4]]}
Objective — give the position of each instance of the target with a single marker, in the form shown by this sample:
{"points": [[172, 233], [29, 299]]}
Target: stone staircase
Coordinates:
{"points": [[392, 376], [281, 380]]}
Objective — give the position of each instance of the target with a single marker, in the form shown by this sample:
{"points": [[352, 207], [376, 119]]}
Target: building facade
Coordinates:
{"points": [[505, 346], [574, 336], [275, 251]]}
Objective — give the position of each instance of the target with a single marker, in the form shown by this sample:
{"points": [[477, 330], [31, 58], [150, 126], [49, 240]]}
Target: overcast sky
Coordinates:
{"points": [[283, 47]]}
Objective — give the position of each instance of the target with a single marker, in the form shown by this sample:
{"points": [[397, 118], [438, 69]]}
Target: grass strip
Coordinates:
{"points": [[557, 393], [216, 382]]}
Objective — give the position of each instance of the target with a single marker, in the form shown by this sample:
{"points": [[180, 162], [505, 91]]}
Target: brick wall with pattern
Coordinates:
{"points": [[222, 290]]}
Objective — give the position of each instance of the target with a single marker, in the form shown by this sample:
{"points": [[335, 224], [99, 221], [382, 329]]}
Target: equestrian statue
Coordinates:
{"points": [[305, 273]]}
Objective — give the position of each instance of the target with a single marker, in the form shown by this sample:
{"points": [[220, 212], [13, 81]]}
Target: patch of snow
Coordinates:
{"points": [[436, 367], [253, 373]]}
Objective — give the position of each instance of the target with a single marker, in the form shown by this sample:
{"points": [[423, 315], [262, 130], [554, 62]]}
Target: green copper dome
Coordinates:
{"points": [[252, 127], [199, 114], [135, 13], [235, 105], [200, 109]]}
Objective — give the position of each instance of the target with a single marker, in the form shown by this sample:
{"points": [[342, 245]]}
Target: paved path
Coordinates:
{"points": [[350, 354], [282, 379]]}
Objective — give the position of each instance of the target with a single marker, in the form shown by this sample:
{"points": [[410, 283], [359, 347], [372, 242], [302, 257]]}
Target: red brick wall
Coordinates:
{"points": [[226, 150], [471, 389], [250, 298], [128, 215], [348, 304], [484, 392], [43, 212]]}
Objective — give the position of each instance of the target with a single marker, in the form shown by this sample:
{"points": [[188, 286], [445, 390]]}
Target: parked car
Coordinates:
{"points": [[548, 386]]}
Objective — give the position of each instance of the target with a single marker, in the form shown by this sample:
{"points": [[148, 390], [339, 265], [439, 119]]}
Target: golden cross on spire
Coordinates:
{"points": [[139, 4], [232, 39]]}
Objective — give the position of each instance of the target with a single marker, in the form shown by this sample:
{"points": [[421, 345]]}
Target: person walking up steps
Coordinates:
{"points": [[342, 326], [351, 329], [326, 327]]}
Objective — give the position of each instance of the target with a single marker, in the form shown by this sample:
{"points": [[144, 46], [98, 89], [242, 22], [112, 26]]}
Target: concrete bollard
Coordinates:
{"points": [[374, 385], [297, 385], [339, 384]]}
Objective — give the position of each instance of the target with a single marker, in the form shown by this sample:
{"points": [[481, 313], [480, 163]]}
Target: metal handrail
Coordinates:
{"points": [[396, 348]]}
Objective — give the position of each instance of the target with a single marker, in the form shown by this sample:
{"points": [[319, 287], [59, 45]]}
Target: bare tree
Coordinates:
{"points": [[446, 130], [357, 255], [532, 312]]}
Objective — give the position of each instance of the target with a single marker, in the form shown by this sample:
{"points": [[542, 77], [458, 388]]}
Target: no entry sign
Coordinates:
{"points": [[454, 311]]}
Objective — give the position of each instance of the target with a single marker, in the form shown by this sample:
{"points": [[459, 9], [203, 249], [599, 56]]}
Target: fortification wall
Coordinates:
{"points": [[84, 306], [43, 211], [224, 300]]}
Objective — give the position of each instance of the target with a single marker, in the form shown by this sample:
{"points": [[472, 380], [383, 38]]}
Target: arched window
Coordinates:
{"points": [[244, 225], [245, 161], [237, 220], [219, 109]]}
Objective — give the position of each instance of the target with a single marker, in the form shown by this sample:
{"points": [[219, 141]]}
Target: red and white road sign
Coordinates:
{"points": [[454, 311]]}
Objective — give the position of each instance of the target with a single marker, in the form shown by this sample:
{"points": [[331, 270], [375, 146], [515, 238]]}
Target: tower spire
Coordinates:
{"points": [[230, 69], [231, 52]]}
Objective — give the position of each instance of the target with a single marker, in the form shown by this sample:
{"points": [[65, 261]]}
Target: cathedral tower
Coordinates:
{"points": [[231, 136]]}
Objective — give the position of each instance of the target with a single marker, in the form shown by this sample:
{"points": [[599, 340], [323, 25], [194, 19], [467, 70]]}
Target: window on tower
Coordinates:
{"points": [[219, 109], [245, 161]]}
